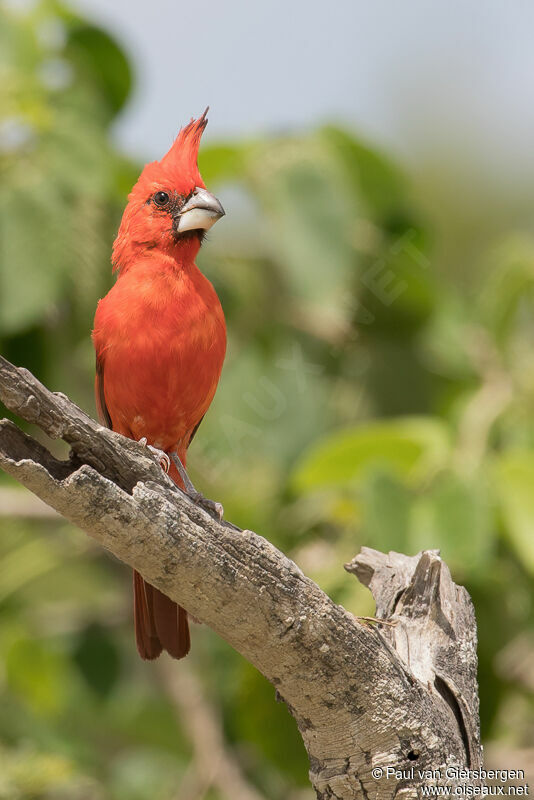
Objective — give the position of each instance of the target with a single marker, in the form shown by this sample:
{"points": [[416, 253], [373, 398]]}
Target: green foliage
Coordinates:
{"points": [[60, 196], [367, 398], [412, 448], [102, 62], [35, 673], [514, 474], [284, 752], [26, 774], [98, 659]]}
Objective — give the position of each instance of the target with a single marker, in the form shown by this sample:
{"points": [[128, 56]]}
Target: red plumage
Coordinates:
{"points": [[160, 339]]}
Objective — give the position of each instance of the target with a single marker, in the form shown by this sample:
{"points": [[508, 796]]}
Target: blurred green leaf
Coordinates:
{"points": [[374, 177], [285, 748], [26, 293], [399, 291], [223, 162], [514, 479], [508, 287], [410, 447], [311, 213], [456, 517], [38, 675], [386, 505], [98, 659], [102, 61], [24, 563]]}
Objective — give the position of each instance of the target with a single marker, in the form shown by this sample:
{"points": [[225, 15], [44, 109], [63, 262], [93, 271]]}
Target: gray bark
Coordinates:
{"points": [[366, 696]]}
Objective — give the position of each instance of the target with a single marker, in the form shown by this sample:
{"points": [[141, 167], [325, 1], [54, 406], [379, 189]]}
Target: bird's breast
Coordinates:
{"points": [[162, 340]]}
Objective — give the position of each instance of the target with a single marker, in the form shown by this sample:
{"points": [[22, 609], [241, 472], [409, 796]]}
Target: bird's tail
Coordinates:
{"points": [[160, 623]]}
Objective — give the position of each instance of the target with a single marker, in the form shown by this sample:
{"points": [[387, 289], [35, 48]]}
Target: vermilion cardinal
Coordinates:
{"points": [[160, 340]]}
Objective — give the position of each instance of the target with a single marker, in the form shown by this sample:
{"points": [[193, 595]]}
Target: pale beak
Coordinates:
{"points": [[201, 211]]}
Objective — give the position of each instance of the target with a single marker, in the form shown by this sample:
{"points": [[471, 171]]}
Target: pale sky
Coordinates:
{"points": [[444, 77]]}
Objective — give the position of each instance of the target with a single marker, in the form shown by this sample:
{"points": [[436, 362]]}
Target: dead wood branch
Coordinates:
{"points": [[365, 697]]}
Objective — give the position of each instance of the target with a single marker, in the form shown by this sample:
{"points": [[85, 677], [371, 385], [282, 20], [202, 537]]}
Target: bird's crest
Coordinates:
{"points": [[179, 165]]}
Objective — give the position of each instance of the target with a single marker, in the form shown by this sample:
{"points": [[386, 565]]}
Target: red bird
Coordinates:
{"points": [[160, 341]]}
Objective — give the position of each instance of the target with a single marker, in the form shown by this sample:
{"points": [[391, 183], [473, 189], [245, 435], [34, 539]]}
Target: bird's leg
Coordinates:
{"points": [[196, 497], [161, 455]]}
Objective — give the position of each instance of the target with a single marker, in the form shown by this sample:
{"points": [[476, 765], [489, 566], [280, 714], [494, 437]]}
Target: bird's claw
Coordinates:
{"points": [[209, 505], [161, 455]]}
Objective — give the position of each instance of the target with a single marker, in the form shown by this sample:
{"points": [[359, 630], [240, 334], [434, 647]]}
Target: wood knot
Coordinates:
{"points": [[31, 409]]}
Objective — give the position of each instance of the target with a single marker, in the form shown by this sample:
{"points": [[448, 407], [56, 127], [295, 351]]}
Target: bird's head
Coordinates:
{"points": [[169, 207]]}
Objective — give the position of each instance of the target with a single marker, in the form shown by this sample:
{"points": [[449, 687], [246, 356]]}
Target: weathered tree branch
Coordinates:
{"points": [[365, 697]]}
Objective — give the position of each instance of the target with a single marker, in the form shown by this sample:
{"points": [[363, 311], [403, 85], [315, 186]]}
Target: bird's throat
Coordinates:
{"points": [[176, 253]]}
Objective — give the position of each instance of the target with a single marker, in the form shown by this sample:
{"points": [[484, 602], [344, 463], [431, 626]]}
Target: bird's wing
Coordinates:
{"points": [[102, 409], [195, 429]]}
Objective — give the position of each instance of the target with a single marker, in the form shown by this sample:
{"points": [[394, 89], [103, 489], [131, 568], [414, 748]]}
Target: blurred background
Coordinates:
{"points": [[376, 267]]}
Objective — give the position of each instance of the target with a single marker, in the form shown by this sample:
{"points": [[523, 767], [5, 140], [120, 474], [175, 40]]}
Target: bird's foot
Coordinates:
{"points": [[161, 455], [211, 506]]}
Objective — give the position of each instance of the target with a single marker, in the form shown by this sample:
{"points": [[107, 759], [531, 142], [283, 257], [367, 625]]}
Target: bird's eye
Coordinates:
{"points": [[161, 198]]}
